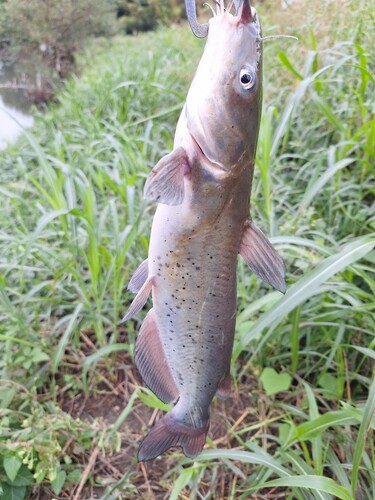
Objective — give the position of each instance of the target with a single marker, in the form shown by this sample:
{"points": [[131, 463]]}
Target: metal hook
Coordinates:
{"points": [[199, 30]]}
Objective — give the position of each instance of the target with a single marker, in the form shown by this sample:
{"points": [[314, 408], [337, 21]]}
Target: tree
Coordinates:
{"points": [[57, 27], [144, 15]]}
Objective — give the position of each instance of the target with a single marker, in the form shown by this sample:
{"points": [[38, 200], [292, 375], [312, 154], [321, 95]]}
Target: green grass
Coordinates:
{"points": [[73, 228]]}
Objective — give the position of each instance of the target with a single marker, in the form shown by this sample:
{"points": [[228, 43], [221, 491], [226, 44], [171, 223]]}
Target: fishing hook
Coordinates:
{"points": [[199, 30]]}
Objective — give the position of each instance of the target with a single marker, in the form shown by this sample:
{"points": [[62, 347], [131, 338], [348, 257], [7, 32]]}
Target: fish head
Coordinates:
{"points": [[223, 105]]}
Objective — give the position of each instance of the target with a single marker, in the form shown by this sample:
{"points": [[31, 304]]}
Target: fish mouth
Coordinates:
{"points": [[202, 154]]}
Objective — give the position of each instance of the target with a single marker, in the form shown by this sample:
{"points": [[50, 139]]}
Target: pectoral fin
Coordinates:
{"points": [[165, 184], [140, 299], [262, 258], [151, 362], [139, 277]]}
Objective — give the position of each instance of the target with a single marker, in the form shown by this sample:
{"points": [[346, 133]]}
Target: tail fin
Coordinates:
{"points": [[168, 433]]}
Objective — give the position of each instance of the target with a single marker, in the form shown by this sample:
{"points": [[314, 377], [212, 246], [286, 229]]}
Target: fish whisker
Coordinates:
{"points": [[229, 6], [270, 37], [206, 4]]}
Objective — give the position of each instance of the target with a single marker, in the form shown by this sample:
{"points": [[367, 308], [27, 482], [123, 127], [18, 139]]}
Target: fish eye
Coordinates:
{"points": [[247, 78]]}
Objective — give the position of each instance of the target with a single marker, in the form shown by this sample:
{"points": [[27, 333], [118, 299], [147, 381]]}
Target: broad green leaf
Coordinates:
{"points": [[58, 482], [330, 385], [274, 382], [12, 465], [24, 477], [6, 396], [74, 476], [316, 483], [11, 492], [37, 355]]}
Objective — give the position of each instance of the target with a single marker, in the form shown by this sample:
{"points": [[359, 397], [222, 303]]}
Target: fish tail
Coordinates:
{"points": [[169, 433]]}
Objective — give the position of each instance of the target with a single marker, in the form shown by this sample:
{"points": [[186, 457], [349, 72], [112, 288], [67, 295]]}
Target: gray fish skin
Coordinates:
{"points": [[203, 188]]}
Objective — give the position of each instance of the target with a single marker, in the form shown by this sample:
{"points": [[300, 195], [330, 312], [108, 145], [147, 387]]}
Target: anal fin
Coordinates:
{"points": [[151, 362], [139, 277], [165, 183], [259, 254], [140, 299], [225, 387]]}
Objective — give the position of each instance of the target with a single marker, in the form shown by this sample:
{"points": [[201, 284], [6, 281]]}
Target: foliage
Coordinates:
{"points": [[74, 226], [146, 14], [57, 28], [35, 439]]}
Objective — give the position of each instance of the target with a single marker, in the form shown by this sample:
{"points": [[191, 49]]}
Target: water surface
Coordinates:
{"points": [[14, 109]]}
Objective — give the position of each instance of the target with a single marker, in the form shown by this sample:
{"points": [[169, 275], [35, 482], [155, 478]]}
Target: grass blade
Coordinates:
{"points": [[245, 457], [93, 358], [65, 338], [363, 428], [315, 483], [309, 285]]}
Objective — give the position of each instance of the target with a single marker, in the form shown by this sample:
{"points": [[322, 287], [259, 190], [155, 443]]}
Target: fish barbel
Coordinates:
{"points": [[201, 224]]}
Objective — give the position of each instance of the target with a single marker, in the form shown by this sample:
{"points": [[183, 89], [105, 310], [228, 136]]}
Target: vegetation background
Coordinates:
{"points": [[73, 228]]}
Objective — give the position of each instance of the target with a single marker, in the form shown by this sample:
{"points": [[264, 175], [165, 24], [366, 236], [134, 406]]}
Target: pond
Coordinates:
{"points": [[15, 113]]}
